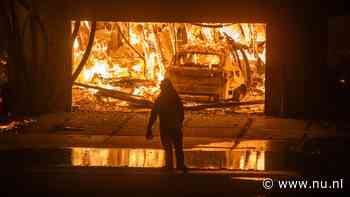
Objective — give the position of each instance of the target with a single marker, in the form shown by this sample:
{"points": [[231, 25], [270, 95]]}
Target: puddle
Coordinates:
{"points": [[154, 158], [312, 157]]}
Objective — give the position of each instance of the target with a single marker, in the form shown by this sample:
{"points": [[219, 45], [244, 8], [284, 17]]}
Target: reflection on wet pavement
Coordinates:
{"points": [[154, 158], [312, 157], [247, 155], [121, 157]]}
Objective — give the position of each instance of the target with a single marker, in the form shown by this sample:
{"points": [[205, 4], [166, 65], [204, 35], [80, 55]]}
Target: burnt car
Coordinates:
{"points": [[209, 72]]}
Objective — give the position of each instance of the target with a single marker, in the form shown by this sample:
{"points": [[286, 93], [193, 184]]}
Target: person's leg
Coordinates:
{"points": [[168, 149], [180, 159]]}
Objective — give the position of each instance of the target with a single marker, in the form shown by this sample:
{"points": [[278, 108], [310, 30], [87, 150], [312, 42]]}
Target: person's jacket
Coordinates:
{"points": [[170, 110]]}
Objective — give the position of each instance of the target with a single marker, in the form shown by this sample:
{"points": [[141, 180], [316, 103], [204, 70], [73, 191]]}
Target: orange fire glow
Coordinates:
{"points": [[134, 57], [154, 158]]}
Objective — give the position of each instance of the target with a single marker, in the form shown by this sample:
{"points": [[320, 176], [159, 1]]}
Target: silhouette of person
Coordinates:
{"points": [[169, 107]]}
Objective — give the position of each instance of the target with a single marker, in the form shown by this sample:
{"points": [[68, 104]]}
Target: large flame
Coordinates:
{"points": [[126, 53]]}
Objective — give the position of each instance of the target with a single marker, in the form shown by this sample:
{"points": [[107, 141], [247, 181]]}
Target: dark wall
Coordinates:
{"points": [[338, 39], [339, 66], [294, 31], [158, 10], [38, 58]]}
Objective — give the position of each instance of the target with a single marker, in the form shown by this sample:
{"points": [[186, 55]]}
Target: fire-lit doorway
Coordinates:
{"points": [[118, 65]]}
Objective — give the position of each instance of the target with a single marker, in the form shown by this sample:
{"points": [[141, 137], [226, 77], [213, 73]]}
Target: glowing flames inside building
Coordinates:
{"points": [[207, 62]]}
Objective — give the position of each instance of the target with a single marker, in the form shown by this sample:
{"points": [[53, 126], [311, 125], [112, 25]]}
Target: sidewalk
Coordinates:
{"points": [[117, 129]]}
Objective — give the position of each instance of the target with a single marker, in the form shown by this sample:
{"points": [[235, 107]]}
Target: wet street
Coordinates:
{"points": [[228, 154], [223, 167]]}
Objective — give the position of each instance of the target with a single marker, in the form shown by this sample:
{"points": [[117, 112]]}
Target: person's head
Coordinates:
{"points": [[166, 85]]}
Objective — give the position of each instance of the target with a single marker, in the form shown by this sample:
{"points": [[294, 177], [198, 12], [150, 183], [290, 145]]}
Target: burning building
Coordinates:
{"points": [[206, 62], [107, 56]]}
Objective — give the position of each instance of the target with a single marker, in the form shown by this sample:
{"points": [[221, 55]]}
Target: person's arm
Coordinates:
{"points": [[152, 119], [181, 110]]}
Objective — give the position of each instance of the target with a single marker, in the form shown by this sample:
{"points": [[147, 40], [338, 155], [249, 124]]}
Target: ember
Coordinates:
{"points": [[15, 126], [207, 62]]}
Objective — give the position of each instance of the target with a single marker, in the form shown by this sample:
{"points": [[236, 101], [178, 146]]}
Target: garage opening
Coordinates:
{"points": [[118, 66]]}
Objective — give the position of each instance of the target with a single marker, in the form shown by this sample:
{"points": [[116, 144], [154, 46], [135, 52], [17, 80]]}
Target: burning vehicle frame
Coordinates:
{"points": [[120, 64]]}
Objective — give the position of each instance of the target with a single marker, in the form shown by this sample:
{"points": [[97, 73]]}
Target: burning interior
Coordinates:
{"points": [[118, 66]]}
